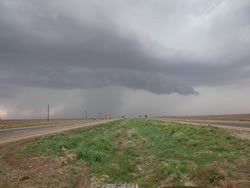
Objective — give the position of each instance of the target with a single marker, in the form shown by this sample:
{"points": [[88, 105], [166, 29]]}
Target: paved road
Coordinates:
{"points": [[214, 122], [14, 134]]}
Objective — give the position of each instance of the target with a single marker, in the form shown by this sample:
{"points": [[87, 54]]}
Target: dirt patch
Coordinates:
{"points": [[122, 138], [11, 149], [43, 171], [243, 174], [240, 133], [17, 170], [84, 180]]}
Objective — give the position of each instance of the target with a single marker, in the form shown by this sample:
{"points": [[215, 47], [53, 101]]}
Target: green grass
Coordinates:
{"points": [[150, 152], [41, 123]]}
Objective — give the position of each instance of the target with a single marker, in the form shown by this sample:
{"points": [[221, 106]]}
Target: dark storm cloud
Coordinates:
{"points": [[42, 46]]}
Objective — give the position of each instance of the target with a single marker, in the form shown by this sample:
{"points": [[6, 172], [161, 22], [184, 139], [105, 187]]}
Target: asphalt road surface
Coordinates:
{"points": [[15, 134]]}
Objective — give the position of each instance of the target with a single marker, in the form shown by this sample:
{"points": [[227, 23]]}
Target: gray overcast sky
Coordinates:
{"points": [[156, 57]]}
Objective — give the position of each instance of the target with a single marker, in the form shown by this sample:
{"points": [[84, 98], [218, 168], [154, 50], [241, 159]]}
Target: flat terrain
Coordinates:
{"points": [[239, 117], [5, 124], [150, 153], [14, 134], [218, 122]]}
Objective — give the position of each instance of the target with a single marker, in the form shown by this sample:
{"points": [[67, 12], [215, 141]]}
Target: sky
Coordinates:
{"points": [[113, 58]]}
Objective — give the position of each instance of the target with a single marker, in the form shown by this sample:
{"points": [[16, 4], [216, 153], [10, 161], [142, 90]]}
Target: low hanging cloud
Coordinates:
{"points": [[42, 45], [88, 52]]}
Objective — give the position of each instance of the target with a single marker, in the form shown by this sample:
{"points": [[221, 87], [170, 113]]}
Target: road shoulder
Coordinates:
{"points": [[51, 129], [242, 132]]}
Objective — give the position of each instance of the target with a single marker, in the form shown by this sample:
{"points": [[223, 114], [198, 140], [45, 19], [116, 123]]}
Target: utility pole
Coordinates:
{"points": [[86, 114], [48, 112]]}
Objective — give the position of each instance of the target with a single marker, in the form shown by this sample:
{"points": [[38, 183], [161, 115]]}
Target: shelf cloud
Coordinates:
{"points": [[162, 47]]}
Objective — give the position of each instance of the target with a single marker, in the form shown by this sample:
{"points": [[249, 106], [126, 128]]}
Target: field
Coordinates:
{"points": [[239, 117], [4, 124], [150, 153]]}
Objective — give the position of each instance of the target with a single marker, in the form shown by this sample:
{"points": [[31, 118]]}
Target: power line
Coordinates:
{"points": [[48, 112]]}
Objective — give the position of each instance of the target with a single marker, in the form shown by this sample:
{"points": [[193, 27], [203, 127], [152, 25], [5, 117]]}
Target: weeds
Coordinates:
{"points": [[150, 152]]}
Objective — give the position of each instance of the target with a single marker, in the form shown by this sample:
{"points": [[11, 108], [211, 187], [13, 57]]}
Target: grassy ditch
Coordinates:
{"points": [[148, 152]]}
